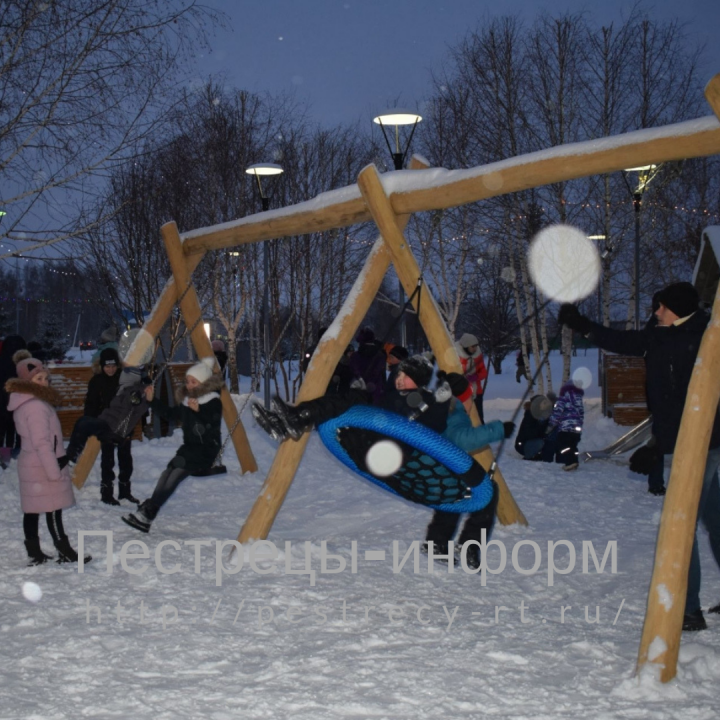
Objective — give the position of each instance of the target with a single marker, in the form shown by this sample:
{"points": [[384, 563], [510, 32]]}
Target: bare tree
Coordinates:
{"points": [[82, 86]]}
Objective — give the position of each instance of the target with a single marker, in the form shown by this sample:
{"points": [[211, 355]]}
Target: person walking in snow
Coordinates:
{"points": [[461, 432], [9, 439], [564, 428], [670, 348], [473, 365], [45, 485], [102, 388], [199, 412]]}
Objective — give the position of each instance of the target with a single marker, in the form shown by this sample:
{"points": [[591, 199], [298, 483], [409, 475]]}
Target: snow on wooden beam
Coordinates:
{"points": [[438, 188]]}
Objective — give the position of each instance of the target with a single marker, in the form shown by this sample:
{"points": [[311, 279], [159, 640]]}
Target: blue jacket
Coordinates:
{"points": [[460, 430]]}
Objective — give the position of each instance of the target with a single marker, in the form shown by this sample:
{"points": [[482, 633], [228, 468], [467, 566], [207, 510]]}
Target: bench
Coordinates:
{"points": [[624, 389]]}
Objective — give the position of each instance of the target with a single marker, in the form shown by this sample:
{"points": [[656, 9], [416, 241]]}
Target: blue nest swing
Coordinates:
{"points": [[434, 472]]}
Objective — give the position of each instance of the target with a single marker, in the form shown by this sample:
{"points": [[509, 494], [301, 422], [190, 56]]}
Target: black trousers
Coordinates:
{"points": [[443, 525], [84, 428], [107, 462], [165, 487], [479, 406], [31, 525]]}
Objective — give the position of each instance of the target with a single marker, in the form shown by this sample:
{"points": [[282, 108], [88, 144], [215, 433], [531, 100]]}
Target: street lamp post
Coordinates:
{"points": [[397, 117], [645, 173], [258, 170]]}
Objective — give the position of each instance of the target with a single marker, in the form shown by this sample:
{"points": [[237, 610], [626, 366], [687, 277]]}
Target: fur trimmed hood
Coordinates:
{"points": [[25, 387], [209, 387]]}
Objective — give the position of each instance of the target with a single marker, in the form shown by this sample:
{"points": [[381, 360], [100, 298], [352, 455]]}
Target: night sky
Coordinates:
{"points": [[349, 59]]}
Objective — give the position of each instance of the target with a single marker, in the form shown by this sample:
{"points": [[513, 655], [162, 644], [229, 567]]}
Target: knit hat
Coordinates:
{"points": [[109, 356], [681, 298], [203, 370], [467, 340], [366, 335], [418, 368], [27, 367], [132, 375], [218, 346], [399, 352], [459, 385], [109, 335]]}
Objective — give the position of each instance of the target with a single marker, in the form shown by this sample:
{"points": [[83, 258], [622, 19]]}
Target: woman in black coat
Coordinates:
{"points": [[9, 440]]}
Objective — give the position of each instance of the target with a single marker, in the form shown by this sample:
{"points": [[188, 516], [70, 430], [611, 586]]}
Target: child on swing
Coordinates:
{"points": [[199, 411]]}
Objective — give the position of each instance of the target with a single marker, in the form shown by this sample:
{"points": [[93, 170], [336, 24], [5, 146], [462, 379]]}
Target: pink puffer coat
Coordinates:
{"points": [[43, 486]]}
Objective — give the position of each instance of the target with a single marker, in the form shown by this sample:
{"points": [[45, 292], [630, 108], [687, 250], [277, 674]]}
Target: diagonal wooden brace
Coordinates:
{"points": [[660, 641], [144, 340], [429, 315], [192, 315], [322, 366]]}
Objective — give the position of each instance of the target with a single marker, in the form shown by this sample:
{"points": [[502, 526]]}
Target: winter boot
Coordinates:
{"points": [[106, 493], [472, 556], [142, 519], [441, 550], [125, 494], [270, 422], [66, 554], [715, 609], [297, 421], [36, 555], [692, 622]]}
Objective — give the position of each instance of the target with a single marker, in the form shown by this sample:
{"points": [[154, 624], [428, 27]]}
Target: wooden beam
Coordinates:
{"points": [[660, 641], [322, 366], [437, 189], [144, 340], [192, 315], [429, 315]]}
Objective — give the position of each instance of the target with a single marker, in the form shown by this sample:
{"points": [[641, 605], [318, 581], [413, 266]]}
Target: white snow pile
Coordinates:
{"points": [[204, 635]]}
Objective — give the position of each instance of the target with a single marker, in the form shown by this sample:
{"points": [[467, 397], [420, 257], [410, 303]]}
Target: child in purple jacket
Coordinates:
{"points": [[565, 427]]}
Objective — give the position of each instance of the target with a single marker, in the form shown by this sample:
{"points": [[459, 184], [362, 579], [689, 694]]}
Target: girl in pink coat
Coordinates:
{"points": [[42, 466]]}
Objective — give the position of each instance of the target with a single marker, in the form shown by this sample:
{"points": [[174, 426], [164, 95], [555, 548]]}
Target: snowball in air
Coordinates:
{"points": [[384, 458], [563, 263], [32, 592], [582, 378]]}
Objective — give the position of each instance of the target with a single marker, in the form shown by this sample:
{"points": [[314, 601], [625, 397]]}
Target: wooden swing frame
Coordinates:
{"points": [[389, 201]]}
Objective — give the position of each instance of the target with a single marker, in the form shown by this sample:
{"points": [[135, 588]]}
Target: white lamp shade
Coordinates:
{"points": [[397, 116], [264, 169]]}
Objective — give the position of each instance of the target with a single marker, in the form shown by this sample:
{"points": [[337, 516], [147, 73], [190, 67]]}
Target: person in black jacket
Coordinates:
{"points": [[9, 439], [117, 421], [199, 411], [669, 349], [102, 388]]}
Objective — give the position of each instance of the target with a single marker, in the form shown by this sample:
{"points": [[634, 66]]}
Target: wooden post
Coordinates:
{"points": [[154, 324], [322, 365], [660, 642], [192, 315], [429, 314]]}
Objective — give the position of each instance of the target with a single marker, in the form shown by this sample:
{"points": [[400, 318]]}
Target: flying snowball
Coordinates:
{"points": [[508, 274], [31, 592], [384, 458], [563, 263], [582, 378]]}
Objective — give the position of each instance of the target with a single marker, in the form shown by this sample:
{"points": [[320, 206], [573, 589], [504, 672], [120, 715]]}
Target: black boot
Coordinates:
{"points": [[125, 494], [692, 622], [297, 420], [106, 493], [270, 422], [36, 555], [142, 518], [66, 554]]}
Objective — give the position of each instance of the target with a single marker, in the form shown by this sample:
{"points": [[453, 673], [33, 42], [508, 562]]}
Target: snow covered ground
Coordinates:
{"points": [[369, 644]]}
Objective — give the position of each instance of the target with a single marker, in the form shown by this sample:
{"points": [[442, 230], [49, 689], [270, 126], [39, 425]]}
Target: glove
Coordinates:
{"points": [[569, 315], [509, 428], [644, 459], [63, 461], [358, 384]]}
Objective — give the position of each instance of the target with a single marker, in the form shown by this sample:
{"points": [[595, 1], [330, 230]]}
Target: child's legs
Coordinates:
{"points": [[165, 487], [55, 525], [481, 519], [30, 526], [84, 428], [442, 527], [107, 463], [567, 447], [125, 461]]}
